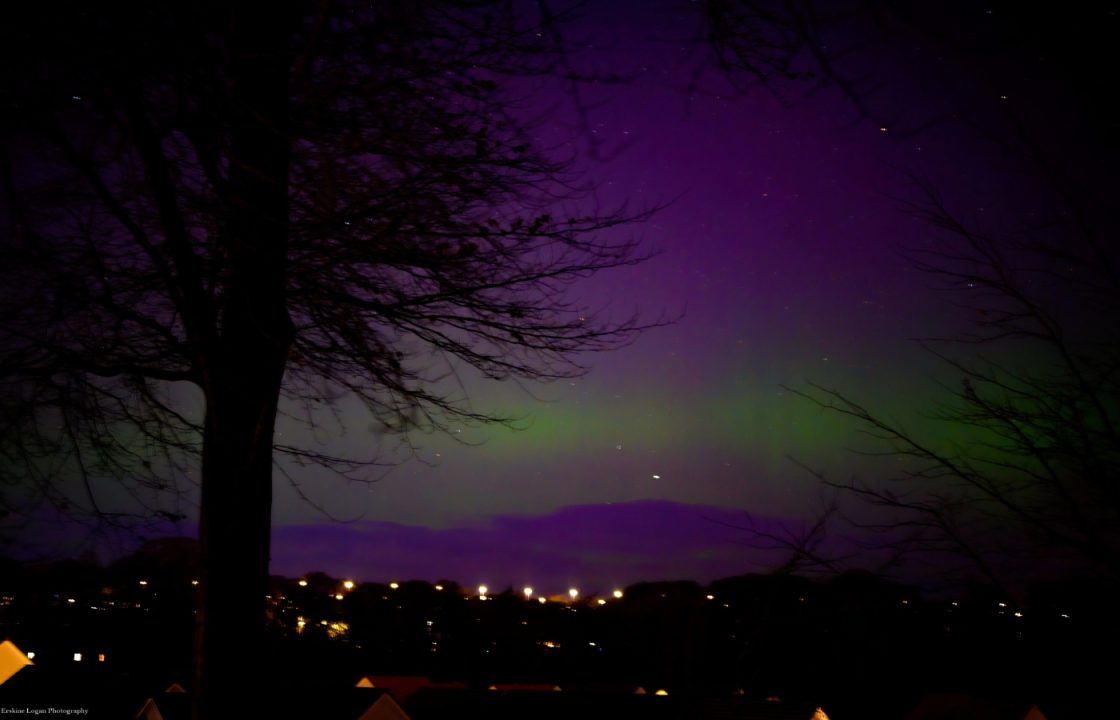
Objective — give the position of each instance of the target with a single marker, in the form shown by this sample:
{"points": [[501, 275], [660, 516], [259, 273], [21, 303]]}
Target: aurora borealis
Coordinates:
{"points": [[779, 250], [777, 260]]}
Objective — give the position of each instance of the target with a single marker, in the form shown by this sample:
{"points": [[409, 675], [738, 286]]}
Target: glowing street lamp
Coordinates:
{"points": [[303, 583], [617, 594], [482, 590], [394, 585], [542, 599], [573, 593], [349, 584], [528, 592], [338, 596]]}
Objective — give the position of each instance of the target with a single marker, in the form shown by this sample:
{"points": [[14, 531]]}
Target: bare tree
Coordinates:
{"points": [[260, 202], [1035, 483], [776, 44]]}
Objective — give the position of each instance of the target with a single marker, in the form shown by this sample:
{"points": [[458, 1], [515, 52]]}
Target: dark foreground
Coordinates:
{"points": [[105, 640]]}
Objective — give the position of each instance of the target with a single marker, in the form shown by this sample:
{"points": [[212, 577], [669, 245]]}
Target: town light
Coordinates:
{"points": [[338, 596], [528, 592], [617, 594], [394, 585], [349, 584], [77, 657], [573, 593], [482, 590], [303, 583], [542, 599]]}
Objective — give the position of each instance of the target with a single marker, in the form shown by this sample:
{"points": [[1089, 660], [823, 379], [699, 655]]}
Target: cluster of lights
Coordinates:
{"points": [[660, 693], [483, 591], [529, 593]]}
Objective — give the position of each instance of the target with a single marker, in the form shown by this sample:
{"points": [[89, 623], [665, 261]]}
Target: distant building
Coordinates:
{"points": [[384, 708], [403, 687], [773, 709], [969, 707]]}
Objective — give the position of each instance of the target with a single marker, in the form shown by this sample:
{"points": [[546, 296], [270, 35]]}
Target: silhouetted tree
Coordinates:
{"points": [[756, 43], [1037, 481], [1034, 479], [266, 201]]}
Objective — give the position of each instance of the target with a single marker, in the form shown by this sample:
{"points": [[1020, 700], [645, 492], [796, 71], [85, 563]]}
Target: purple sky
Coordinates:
{"points": [[593, 547], [779, 249]]}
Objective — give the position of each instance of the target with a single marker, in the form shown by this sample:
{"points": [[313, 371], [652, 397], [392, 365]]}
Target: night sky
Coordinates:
{"points": [[778, 254]]}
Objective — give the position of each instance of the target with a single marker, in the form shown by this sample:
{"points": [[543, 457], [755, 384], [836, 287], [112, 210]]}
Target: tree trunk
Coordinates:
{"points": [[235, 525], [242, 374]]}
